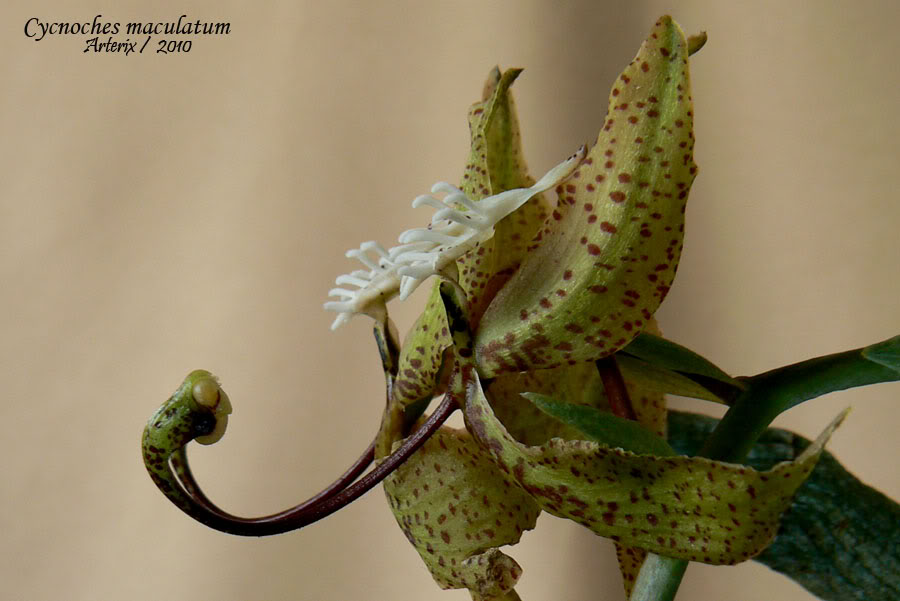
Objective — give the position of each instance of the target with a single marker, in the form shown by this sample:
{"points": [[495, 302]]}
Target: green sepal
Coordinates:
{"points": [[683, 507], [603, 427]]}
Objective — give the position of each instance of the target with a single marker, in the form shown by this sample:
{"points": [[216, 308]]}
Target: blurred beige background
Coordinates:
{"points": [[164, 213]]}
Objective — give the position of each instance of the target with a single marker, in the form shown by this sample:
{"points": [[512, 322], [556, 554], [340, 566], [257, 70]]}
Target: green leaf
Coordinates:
{"points": [[662, 380], [840, 539], [604, 260], [685, 507], [660, 352], [885, 353], [603, 427]]}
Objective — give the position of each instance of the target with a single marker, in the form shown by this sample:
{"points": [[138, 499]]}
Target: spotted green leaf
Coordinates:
{"points": [[604, 260], [456, 510], [684, 507]]}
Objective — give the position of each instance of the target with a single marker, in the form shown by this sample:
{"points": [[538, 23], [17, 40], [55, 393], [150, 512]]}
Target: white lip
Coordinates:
{"points": [[458, 225]]}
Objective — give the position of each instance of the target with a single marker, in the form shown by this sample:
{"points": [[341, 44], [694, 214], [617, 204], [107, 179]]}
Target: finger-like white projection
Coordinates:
{"points": [[458, 225]]}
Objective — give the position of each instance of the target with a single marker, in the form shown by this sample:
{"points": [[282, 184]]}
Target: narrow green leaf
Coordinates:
{"points": [[659, 379], [840, 539], [674, 357], [603, 427], [885, 353]]}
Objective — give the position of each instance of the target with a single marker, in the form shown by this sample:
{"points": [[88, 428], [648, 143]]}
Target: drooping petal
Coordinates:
{"points": [[456, 510], [685, 507], [605, 258]]}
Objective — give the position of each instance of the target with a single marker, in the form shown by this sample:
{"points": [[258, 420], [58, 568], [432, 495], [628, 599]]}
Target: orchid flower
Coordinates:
{"points": [[533, 298], [547, 290]]}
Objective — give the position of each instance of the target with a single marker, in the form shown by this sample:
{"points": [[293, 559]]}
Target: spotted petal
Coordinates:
{"points": [[496, 164], [421, 354], [684, 507], [605, 258], [455, 510]]}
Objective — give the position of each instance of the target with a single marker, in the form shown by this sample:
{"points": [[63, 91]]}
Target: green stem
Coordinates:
{"points": [[658, 579], [766, 396], [771, 393]]}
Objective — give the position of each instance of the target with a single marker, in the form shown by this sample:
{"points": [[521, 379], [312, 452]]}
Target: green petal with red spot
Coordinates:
{"points": [[685, 507], [649, 406], [603, 262], [579, 384], [496, 164], [418, 375], [649, 403], [455, 509]]}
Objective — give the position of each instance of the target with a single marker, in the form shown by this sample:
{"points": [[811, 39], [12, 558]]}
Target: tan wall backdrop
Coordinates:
{"points": [[160, 213]]}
